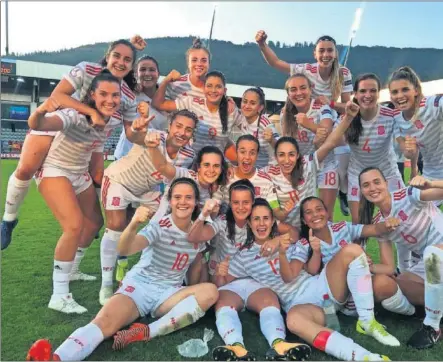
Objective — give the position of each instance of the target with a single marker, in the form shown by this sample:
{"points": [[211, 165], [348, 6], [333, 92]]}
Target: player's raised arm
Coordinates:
{"points": [[271, 58], [131, 243], [39, 121], [161, 164], [159, 101]]}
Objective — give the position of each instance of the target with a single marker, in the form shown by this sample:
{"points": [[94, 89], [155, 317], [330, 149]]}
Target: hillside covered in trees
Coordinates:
{"points": [[244, 64]]}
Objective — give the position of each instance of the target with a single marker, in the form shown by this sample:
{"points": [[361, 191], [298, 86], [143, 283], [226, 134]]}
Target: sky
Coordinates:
{"points": [[61, 25]]}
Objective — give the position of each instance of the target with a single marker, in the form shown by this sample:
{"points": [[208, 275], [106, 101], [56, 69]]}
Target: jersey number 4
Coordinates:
{"points": [[366, 146]]}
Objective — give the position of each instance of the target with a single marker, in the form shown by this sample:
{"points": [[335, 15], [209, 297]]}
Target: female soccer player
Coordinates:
{"points": [[215, 125], [229, 235], [152, 286], [148, 73], [295, 177], [420, 232], [119, 60], [303, 118], [252, 121], [419, 120], [134, 178], [321, 241], [301, 294], [370, 137], [64, 180]]}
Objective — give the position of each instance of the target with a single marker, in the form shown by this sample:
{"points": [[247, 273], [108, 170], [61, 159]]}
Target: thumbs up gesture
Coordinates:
{"points": [[314, 242], [223, 267]]}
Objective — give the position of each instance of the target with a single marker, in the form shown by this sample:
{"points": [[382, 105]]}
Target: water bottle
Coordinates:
{"points": [[331, 318], [196, 347]]}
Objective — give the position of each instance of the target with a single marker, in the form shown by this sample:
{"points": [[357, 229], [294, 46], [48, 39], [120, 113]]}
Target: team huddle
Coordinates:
{"points": [[237, 223]]}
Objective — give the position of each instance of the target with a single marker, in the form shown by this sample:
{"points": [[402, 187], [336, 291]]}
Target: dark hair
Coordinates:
{"points": [[355, 129], [366, 208], [223, 106], [261, 99], [193, 184], [147, 57], [197, 44], [130, 77], [408, 74], [304, 229], [184, 113], [223, 178], [297, 172], [247, 137], [239, 185], [250, 235], [289, 124], [104, 76]]}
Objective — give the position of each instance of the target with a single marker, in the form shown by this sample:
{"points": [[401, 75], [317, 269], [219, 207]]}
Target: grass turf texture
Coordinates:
{"points": [[26, 278]]}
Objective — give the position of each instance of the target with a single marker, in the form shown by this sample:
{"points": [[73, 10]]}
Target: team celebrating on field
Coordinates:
{"points": [[235, 223]]}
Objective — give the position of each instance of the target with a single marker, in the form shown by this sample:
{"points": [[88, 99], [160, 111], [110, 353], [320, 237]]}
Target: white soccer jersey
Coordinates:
{"points": [[263, 186], [209, 128], [257, 128], [305, 138], [342, 234], [428, 130], [183, 87], [375, 146], [160, 122], [136, 172], [266, 271], [307, 185], [81, 77], [319, 86], [169, 254], [223, 245], [420, 221], [72, 147]]}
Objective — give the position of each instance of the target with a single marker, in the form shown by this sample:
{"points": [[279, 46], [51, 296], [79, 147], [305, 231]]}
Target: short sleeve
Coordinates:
{"points": [[237, 268], [354, 231], [218, 225], [326, 113], [299, 251], [347, 86], [414, 197], [182, 102], [151, 232], [437, 107], [297, 68], [311, 164], [129, 111], [68, 116], [271, 196], [76, 76], [182, 172]]}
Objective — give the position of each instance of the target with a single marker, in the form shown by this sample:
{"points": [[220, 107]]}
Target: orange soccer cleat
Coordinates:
{"points": [[41, 350], [137, 332]]}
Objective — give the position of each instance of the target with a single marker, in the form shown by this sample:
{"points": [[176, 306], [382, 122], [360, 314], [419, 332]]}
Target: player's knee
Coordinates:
{"points": [[384, 287], [207, 295], [294, 320], [353, 250], [73, 228], [25, 171]]}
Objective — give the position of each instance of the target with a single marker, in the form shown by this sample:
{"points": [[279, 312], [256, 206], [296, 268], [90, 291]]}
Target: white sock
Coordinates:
{"points": [[60, 277], [80, 344], [181, 315], [433, 258], [344, 348], [360, 285], [15, 194], [79, 254], [398, 304], [403, 259], [228, 325], [108, 255], [272, 324]]}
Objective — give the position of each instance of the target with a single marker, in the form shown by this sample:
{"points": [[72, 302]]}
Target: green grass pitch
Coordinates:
{"points": [[26, 284]]}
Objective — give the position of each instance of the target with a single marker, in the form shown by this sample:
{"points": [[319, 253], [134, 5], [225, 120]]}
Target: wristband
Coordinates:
{"points": [[332, 104], [133, 130], [201, 217]]}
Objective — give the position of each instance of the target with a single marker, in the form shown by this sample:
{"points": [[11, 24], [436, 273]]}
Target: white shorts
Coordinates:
{"points": [[328, 179], [394, 184], [147, 296], [418, 269], [80, 182], [314, 289], [43, 133], [116, 197], [243, 288]]}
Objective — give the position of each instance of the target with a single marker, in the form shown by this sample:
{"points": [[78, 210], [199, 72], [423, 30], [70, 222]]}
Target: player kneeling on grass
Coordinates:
{"points": [[421, 231], [153, 285], [301, 294], [65, 183], [321, 241]]}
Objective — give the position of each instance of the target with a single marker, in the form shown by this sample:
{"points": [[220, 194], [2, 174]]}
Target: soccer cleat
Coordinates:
{"points": [[377, 331], [285, 351], [236, 352], [137, 332], [122, 269], [105, 294], [78, 275], [6, 232], [344, 207], [41, 350], [66, 304], [375, 357], [425, 337]]}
